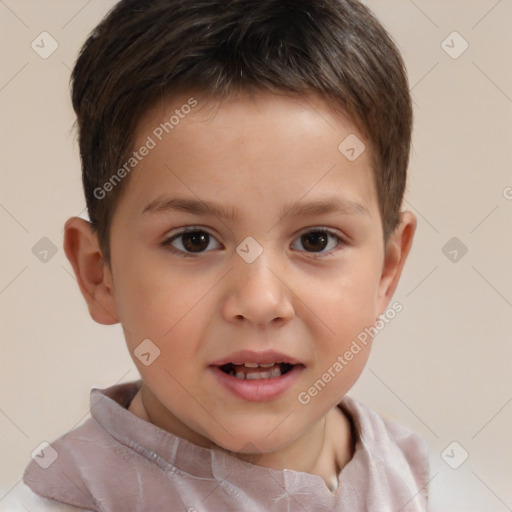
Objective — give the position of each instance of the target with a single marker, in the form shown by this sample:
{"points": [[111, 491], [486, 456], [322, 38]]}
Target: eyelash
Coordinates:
{"points": [[167, 242]]}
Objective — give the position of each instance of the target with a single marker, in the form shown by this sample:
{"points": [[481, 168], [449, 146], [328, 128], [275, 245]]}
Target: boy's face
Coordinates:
{"points": [[255, 282]]}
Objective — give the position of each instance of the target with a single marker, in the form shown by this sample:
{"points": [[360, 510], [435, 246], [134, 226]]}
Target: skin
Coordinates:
{"points": [[259, 153]]}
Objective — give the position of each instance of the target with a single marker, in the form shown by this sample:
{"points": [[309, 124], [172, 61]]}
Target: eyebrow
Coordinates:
{"points": [[199, 207]]}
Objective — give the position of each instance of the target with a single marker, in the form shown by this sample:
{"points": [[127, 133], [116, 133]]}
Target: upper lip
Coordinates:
{"points": [[254, 356]]}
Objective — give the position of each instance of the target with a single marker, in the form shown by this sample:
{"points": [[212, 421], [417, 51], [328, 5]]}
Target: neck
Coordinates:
{"points": [[323, 450]]}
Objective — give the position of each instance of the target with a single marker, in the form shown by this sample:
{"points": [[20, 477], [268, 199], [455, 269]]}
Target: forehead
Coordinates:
{"points": [[248, 107], [249, 148]]}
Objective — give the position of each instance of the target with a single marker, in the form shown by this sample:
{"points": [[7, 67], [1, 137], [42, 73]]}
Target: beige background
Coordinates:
{"points": [[441, 367]]}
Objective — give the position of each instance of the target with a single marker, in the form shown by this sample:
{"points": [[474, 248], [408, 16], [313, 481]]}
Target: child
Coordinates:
{"points": [[244, 164]]}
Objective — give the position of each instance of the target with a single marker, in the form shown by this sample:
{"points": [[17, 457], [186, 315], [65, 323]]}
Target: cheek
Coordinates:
{"points": [[342, 346], [345, 307], [159, 308], [346, 304], [154, 302]]}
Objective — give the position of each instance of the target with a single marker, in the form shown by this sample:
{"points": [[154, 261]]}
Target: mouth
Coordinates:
{"points": [[257, 376], [256, 371]]}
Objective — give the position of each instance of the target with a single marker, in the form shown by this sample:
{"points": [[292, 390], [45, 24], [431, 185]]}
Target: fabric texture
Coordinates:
{"points": [[23, 499], [117, 462]]}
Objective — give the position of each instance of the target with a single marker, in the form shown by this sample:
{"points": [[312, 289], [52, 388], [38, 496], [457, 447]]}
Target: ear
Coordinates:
{"points": [[92, 273], [396, 252]]}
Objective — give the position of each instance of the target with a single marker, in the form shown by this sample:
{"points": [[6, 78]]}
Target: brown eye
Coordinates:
{"points": [[197, 241], [189, 242], [318, 240], [313, 241]]}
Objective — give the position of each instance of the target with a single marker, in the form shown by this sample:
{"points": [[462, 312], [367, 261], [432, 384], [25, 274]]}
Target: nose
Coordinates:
{"points": [[258, 293]]}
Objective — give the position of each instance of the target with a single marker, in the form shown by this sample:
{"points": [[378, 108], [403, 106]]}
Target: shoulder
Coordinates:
{"points": [[375, 431], [73, 468], [398, 454], [22, 498], [59, 473]]}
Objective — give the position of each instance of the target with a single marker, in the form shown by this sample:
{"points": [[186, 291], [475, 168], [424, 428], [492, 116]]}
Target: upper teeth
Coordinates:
{"points": [[258, 370], [255, 365], [267, 373]]}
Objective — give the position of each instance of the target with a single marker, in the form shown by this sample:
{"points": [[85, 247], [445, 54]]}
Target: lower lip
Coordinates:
{"points": [[258, 390]]}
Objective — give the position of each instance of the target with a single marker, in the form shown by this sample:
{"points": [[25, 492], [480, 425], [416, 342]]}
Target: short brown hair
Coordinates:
{"points": [[145, 49]]}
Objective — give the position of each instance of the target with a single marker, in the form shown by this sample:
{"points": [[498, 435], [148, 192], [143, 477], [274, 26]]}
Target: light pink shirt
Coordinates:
{"points": [[116, 461]]}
